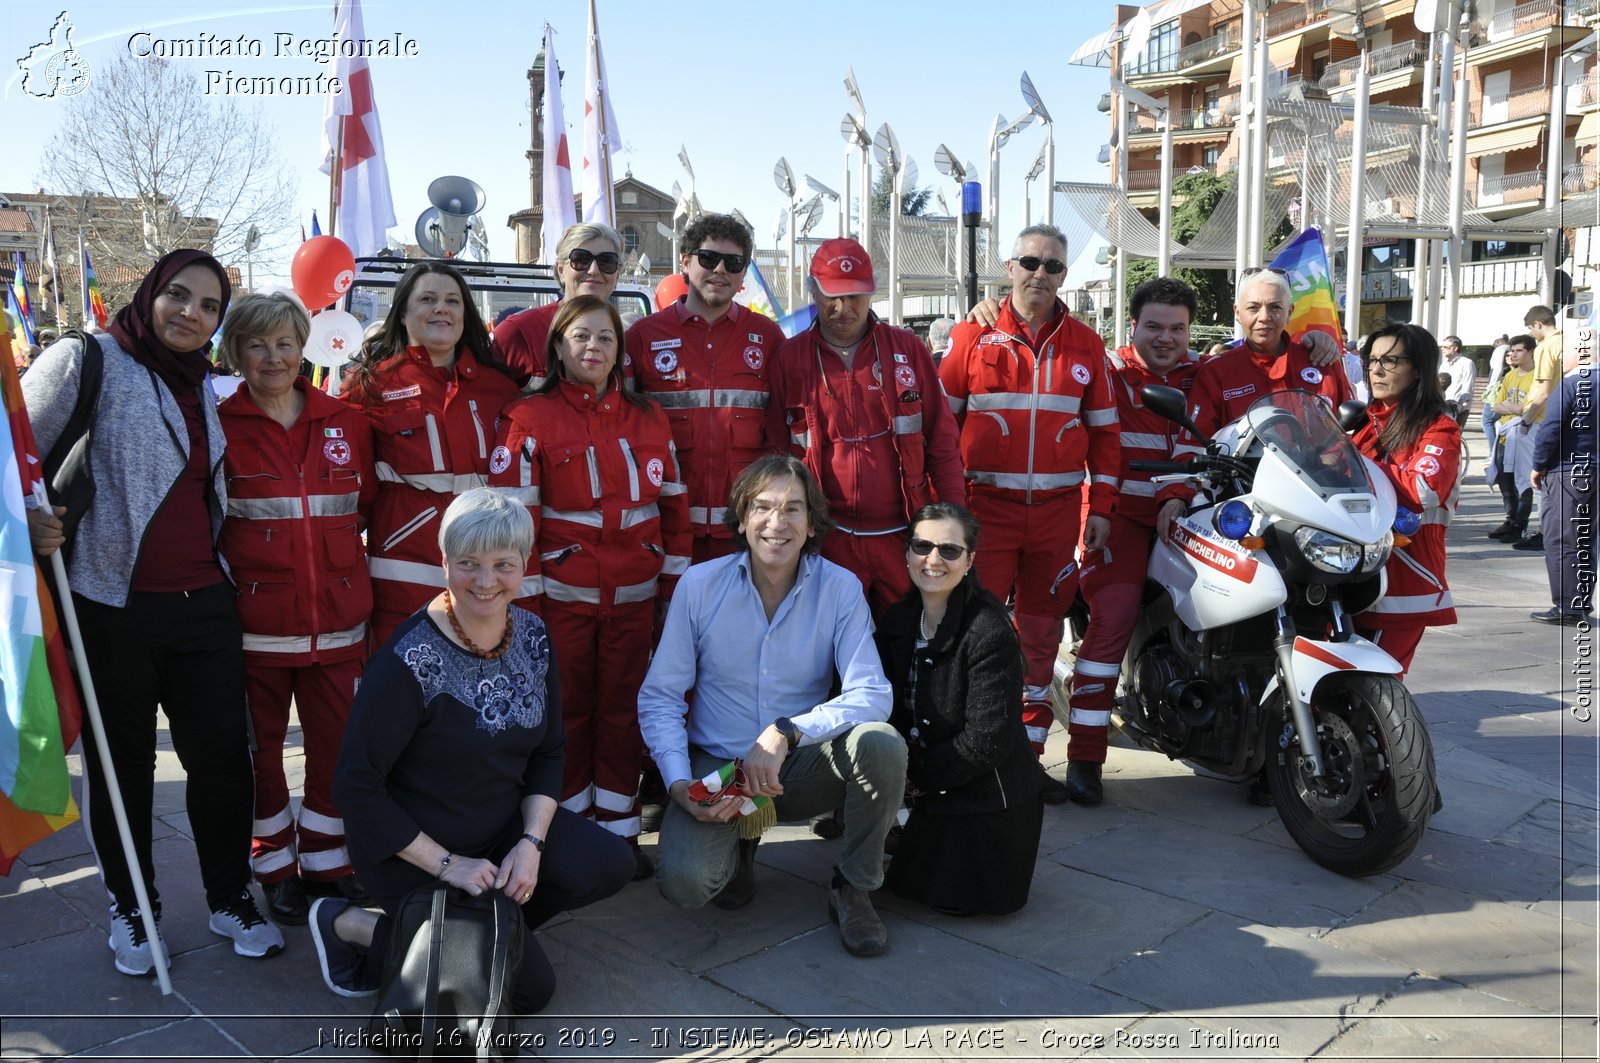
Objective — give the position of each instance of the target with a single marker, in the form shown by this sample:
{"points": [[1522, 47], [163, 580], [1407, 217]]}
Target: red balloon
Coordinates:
{"points": [[323, 270], [672, 288]]}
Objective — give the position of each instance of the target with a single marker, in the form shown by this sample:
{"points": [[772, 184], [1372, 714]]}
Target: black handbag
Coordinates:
{"points": [[447, 981], [68, 472]]}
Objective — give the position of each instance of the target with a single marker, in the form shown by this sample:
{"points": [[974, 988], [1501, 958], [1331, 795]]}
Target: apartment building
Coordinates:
{"points": [[1193, 61]]}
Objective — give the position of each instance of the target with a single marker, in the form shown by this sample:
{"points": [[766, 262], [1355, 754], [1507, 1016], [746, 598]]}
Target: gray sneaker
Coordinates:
{"points": [[252, 933], [862, 932], [131, 947]]}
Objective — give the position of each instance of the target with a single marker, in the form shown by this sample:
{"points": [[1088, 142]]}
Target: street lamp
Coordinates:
{"points": [[783, 177], [1162, 110], [827, 193], [1027, 182], [1048, 152], [1000, 132], [854, 132], [886, 149]]}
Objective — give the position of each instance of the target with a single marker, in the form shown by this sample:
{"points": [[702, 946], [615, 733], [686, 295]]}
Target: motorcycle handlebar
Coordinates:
{"points": [[1161, 466]]}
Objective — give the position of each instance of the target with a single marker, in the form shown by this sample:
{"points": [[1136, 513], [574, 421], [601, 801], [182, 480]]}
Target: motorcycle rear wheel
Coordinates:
{"points": [[1378, 796]]}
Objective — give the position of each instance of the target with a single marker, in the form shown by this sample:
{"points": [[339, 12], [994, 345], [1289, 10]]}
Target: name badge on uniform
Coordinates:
{"points": [[412, 392]]}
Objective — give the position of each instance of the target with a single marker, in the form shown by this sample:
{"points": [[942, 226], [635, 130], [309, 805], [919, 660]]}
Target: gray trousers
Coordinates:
{"points": [[1567, 519], [862, 770]]}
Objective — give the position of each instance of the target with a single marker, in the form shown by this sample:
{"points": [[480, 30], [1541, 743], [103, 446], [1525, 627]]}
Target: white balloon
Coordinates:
{"points": [[335, 338]]}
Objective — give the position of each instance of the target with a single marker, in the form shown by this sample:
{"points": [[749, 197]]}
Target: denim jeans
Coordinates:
{"points": [[863, 770]]}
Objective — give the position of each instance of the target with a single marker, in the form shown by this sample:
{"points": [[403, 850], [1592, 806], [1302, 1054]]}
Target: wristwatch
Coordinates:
{"points": [[790, 732], [538, 843]]}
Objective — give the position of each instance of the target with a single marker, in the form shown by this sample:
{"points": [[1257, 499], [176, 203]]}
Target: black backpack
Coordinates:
{"points": [[447, 983], [68, 472]]}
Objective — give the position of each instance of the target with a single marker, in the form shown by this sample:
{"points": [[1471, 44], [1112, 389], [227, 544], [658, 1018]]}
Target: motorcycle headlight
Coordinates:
{"points": [[1373, 557], [1328, 552]]}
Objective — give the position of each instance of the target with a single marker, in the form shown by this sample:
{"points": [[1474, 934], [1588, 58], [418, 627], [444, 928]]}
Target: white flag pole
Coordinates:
{"points": [[91, 708]]}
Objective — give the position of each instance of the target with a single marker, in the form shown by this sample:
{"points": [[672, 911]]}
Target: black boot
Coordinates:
{"points": [[741, 888], [286, 900], [1083, 782], [1052, 791]]}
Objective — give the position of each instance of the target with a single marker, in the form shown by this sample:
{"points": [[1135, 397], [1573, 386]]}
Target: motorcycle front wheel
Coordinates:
{"points": [[1371, 808]]}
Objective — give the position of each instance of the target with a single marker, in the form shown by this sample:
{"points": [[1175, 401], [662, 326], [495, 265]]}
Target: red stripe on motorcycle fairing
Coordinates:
{"points": [[1317, 653]]}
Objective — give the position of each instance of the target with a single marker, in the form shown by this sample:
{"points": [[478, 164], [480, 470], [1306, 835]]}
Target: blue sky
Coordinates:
{"points": [[737, 85]]}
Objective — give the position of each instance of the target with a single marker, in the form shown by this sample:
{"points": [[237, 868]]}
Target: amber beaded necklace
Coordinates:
{"points": [[472, 647]]}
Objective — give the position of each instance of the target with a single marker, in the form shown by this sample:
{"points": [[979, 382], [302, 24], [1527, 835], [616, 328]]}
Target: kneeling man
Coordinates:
{"points": [[761, 638]]}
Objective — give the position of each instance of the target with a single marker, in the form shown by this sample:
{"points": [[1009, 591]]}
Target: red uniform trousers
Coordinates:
{"points": [[601, 658], [878, 561], [709, 548], [1031, 549], [1399, 642], [1112, 582], [322, 694]]}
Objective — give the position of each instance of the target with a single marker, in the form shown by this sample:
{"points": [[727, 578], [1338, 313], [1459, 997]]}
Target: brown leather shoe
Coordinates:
{"points": [[862, 932]]}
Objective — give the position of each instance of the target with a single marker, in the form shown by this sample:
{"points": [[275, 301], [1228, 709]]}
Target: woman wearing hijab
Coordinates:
{"points": [[154, 601]]}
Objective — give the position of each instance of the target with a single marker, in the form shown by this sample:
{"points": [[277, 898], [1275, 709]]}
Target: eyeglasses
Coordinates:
{"points": [[608, 261], [1253, 270], [731, 262], [948, 551], [1051, 266], [1389, 362]]}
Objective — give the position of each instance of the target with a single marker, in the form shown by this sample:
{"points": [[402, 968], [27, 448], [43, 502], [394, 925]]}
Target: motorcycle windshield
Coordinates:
{"points": [[1300, 430]]}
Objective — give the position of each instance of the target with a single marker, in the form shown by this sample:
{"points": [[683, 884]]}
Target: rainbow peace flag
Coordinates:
{"points": [[1311, 279], [94, 302], [21, 309], [40, 714]]}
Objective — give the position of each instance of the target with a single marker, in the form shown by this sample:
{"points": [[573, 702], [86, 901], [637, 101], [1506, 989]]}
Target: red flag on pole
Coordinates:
{"points": [[353, 142]]}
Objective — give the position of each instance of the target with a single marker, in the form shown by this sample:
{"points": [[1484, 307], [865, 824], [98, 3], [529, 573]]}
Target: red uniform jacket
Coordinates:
{"points": [[1229, 384], [519, 342], [878, 436], [297, 498], [1035, 412], [432, 432], [1426, 479], [610, 511], [1146, 435], [712, 383]]}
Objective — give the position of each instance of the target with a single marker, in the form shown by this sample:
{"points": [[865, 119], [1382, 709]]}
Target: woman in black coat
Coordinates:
{"points": [[973, 781]]}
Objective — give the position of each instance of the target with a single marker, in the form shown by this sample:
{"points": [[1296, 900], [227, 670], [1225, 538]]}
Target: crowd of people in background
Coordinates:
{"points": [[503, 578]]}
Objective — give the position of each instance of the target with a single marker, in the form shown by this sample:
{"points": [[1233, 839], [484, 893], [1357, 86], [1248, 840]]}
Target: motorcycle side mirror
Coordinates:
{"points": [[1352, 415], [1171, 404]]}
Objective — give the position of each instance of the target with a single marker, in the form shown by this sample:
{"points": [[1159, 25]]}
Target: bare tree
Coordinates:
{"points": [[159, 165]]}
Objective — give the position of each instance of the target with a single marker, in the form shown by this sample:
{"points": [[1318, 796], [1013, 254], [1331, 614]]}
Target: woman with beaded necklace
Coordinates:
{"points": [[452, 761]]}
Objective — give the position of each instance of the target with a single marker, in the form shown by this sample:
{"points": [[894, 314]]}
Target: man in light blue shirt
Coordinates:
{"points": [[764, 638]]}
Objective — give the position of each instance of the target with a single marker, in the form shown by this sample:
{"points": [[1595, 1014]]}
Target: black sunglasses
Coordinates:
{"points": [[948, 551], [1253, 270], [608, 261], [1052, 266], [708, 260]]}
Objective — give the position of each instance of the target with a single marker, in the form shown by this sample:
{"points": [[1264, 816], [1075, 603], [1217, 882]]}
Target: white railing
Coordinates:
{"points": [[1500, 277]]}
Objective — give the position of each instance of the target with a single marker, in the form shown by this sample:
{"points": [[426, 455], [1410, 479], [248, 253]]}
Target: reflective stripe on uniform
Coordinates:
{"points": [[315, 821], [1413, 603], [674, 565], [1145, 441], [682, 400], [1100, 418], [442, 482], [1103, 669], [1011, 400], [333, 640], [594, 518], [1038, 734], [1036, 693], [908, 425], [636, 592], [740, 398], [1143, 488], [612, 801], [264, 828], [398, 571], [1089, 717], [581, 801], [702, 515], [1021, 481], [956, 405], [276, 860], [325, 859], [557, 591]]}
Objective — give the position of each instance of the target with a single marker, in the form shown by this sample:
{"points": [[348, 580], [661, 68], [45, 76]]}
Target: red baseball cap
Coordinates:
{"points": [[841, 267]]}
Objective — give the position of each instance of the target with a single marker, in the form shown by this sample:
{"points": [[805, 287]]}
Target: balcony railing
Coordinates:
{"points": [[1493, 110], [1150, 180], [1523, 18], [1580, 177], [1500, 276], [1208, 49], [1384, 61], [1513, 187], [1188, 118], [1296, 16]]}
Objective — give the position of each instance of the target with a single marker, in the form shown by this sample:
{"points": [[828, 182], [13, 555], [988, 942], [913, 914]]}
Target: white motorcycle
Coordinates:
{"points": [[1245, 654]]}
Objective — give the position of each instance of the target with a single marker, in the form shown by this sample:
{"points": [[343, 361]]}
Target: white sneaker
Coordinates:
{"points": [[253, 934], [131, 947]]}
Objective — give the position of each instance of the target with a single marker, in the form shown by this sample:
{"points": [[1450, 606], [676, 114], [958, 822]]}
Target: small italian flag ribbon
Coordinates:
{"points": [[756, 814]]}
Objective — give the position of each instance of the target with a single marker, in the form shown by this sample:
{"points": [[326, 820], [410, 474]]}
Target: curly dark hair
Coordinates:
{"points": [[1420, 406], [1169, 291], [717, 227], [391, 337]]}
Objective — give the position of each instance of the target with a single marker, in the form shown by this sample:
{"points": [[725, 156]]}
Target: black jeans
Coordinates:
{"points": [[185, 652], [1518, 507]]}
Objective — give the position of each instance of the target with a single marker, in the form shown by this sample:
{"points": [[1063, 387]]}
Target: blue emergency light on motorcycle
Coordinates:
{"points": [[1232, 519], [1407, 521]]}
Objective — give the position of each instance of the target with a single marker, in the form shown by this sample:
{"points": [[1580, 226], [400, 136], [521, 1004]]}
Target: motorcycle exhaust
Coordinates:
{"points": [[1195, 701]]}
